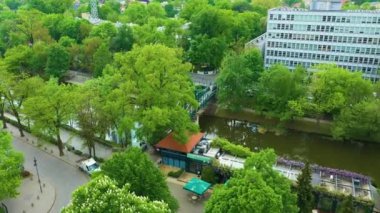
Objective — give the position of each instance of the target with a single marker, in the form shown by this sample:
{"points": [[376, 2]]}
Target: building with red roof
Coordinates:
{"points": [[187, 156]]}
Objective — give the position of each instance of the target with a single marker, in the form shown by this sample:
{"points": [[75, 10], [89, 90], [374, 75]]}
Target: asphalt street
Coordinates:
{"points": [[63, 176]]}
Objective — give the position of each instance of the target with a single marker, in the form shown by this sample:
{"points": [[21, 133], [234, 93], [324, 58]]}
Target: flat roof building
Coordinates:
{"points": [[323, 34]]}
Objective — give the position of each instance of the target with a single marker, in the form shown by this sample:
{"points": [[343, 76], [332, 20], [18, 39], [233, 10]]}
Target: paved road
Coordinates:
{"points": [[64, 177], [186, 205]]}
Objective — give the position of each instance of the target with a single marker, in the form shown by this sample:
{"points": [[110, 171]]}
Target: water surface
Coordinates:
{"points": [[322, 150]]}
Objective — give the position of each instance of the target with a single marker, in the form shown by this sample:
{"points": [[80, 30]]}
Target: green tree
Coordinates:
{"points": [[87, 51], [360, 121], [13, 4], [50, 6], [51, 108], [170, 11], [123, 40], [305, 190], [102, 57], [10, 167], [133, 167], [58, 61], [158, 87], [90, 114], [101, 195], [17, 89], [333, 88], [155, 10], [347, 205], [277, 86], [37, 61], [256, 188], [266, 4], [291, 2], [17, 59], [238, 79], [159, 31], [234, 82], [241, 6], [29, 23], [192, 7], [136, 13], [104, 31], [207, 53]]}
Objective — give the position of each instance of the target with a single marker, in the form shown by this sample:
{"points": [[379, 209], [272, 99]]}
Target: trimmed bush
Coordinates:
{"points": [[176, 174], [209, 175], [78, 152], [230, 148], [99, 160]]}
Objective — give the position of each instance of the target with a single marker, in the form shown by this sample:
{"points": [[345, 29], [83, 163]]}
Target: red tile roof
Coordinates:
{"points": [[171, 144]]}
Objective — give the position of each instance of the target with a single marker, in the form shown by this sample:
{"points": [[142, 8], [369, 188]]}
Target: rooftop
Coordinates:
{"points": [[171, 144], [318, 11]]}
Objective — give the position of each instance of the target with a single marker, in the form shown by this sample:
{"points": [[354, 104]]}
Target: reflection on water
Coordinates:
{"points": [[357, 157]]}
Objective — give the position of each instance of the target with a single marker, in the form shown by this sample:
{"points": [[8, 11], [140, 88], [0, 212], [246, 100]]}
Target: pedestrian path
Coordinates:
{"points": [[31, 199], [72, 139]]}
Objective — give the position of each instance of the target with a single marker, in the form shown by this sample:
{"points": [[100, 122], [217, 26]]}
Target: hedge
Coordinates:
{"points": [[176, 174], [230, 148]]}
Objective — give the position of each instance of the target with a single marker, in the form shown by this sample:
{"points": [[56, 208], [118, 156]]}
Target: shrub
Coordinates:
{"points": [[25, 174], [78, 152], [209, 175], [176, 174], [233, 149], [99, 160]]}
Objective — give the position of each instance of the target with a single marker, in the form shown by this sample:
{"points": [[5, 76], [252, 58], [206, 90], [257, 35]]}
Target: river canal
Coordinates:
{"points": [[357, 157]]}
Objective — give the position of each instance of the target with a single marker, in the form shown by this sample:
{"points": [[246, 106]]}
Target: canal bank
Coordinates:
{"points": [[307, 125], [299, 145]]}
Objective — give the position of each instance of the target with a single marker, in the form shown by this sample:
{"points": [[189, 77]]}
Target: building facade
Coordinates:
{"points": [[324, 34]]}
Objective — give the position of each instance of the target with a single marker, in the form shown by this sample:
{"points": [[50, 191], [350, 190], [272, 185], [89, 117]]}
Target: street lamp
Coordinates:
{"points": [[38, 175]]}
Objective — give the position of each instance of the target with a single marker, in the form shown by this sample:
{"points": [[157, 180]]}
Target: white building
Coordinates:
{"points": [[323, 34]]}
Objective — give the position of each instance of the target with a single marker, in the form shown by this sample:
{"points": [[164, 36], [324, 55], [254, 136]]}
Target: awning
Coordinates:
{"points": [[197, 186], [201, 158]]}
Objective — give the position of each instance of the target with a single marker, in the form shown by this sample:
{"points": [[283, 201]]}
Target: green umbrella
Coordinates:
{"points": [[197, 186]]}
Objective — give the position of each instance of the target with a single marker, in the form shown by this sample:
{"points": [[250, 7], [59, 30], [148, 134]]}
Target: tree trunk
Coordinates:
{"points": [[93, 150], [59, 142], [3, 118], [19, 123], [89, 149]]}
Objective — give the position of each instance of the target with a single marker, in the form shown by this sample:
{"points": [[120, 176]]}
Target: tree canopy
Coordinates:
{"points": [[51, 108], [101, 195], [133, 167], [10, 167], [157, 81], [256, 188]]}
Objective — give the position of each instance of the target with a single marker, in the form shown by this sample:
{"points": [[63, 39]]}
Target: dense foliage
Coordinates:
{"points": [[305, 190], [102, 195], [10, 167], [230, 148], [134, 168], [256, 188], [333, 93]]}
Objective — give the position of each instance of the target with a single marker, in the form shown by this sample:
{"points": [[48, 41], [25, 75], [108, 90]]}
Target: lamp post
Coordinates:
{"points": [[38, 175]]}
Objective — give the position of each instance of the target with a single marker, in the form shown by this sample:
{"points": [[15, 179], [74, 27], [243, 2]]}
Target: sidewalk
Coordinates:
{"points": [[30, 199], [69, 138]]}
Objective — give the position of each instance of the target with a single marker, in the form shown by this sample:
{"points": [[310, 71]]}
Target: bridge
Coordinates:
{"points": [[205, 90]]}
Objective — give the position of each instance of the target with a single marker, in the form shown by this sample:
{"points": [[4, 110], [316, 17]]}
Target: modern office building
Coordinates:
{"points": [[323, 34]]}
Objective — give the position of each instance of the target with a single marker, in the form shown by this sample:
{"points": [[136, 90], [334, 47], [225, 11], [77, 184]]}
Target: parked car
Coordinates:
{"points": [[88, 166]]}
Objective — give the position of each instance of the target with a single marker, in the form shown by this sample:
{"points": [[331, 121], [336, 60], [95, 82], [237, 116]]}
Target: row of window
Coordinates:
{"points": [[349, 18], [293, 64], [321, 47], [323, 57], [326, 28], [326, 38]]}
